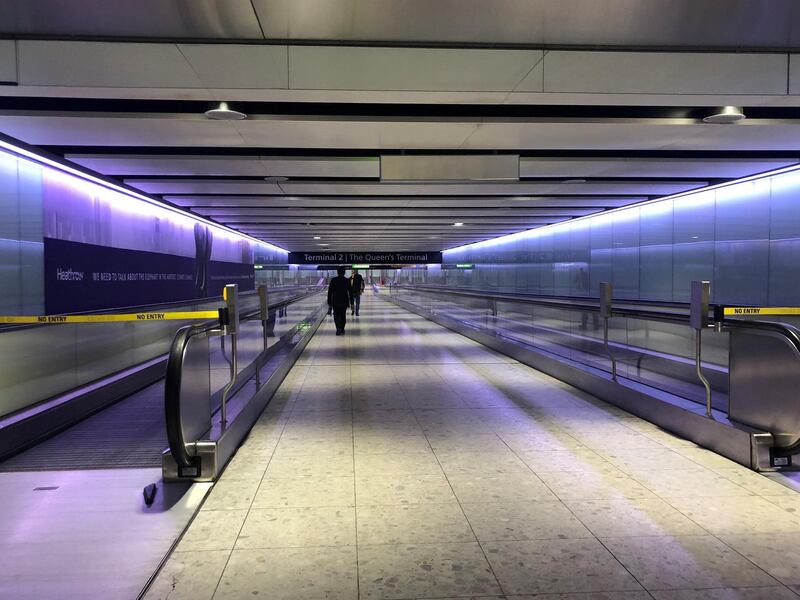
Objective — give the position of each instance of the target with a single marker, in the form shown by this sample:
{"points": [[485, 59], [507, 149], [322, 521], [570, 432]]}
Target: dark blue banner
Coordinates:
{"points": [[84, 277]]}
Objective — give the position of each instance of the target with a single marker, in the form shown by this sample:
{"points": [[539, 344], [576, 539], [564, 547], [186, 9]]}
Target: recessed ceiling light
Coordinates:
{"points": [[725, 116], [323, 244], [223, 113], [316, 237], [458, 224]]}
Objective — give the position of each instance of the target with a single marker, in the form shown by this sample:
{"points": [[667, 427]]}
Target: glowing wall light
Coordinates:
{"points": [[125, 199], [784, 176]]}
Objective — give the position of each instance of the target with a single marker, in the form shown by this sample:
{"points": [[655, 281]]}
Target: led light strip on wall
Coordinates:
{"points": [[60, 167], [610, 214]]}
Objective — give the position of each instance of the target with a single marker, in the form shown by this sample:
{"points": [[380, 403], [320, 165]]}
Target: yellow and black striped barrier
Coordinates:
{"points": [[144, 316], [754, 311]]}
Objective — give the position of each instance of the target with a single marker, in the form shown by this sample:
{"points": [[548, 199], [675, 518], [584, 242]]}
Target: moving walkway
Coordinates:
{"points": [[649, 362]]}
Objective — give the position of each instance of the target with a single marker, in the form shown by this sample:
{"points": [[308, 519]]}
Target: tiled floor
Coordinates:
{"points": [[405, 461]]}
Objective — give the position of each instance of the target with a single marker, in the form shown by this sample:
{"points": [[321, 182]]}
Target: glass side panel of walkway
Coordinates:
{"points": [[405, 461]]}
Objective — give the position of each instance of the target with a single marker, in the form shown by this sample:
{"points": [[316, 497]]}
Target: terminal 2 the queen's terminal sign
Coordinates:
{"points": [[364, 258]]}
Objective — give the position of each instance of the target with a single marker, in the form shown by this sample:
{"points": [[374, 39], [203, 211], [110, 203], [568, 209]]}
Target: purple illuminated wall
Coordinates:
{"points": [[101, 247], [744, 237]]}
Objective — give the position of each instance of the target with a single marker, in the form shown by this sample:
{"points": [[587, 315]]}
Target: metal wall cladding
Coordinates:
{"points": [[21, 242], [744, 238]]}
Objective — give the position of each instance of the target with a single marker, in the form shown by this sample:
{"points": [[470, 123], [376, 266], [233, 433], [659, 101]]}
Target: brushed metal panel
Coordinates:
{"points": [[410, 69], [665, 73], [764, 381], [238, 66], [450, 167], [8, 61], [132, 18], [678, 23], [175, 164], [646, 167], [406, 202], [195, 393], [103, 64]]}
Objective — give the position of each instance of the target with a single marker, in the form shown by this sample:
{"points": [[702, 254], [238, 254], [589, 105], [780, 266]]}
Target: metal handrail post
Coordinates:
{"points": [[606, 290], [231, 297], [698, 318]]}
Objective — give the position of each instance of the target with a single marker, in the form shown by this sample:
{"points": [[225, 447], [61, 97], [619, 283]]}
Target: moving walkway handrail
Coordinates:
{"points": [[158, 307], [174, 375], [790, 332]]}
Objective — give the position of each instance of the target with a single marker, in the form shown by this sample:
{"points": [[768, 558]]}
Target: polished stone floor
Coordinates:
{"points": [[405, 461]]}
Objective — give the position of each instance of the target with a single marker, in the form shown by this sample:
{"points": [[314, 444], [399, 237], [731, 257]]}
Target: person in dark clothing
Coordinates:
{"points": [[357, 287], [340, 296]]}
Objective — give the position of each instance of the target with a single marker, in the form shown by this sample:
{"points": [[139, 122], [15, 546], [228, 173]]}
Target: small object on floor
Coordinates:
{"points": [[149, 493]]}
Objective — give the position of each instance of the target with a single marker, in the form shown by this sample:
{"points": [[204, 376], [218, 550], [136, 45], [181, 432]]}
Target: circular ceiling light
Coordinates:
{"points": [[725, 115], [223, 113]]}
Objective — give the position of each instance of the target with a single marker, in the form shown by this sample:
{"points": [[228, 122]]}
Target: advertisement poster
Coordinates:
{"points": [[82, 277]]}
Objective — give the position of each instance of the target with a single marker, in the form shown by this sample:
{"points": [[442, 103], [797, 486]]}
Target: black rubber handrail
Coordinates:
{"points": [[174, 375], [139, 308], [790, 332], [577, 304]]}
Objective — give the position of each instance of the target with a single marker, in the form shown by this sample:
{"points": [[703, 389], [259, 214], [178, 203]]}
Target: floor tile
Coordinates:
{"points": [[680, 483], [289, 465], [189, 576], [498, 488], [759, 593], [532, 520], [293, 527], [390, 443], [660, 563], [427, 570], [212, 530], [381, 465], [558, 566], [625, 517], [305, 491], [778, 554], [290, 574], [230, 494], [403, 489], [737, 514], [588, 485], [412, 524]]}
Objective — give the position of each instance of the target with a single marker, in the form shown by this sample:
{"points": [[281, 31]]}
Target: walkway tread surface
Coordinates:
{"points": [[404, 461]]}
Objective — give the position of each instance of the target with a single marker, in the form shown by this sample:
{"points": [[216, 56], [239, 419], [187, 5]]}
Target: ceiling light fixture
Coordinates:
{"points": [[316, 237], [223, 113], [725, 115], [458, 224]]}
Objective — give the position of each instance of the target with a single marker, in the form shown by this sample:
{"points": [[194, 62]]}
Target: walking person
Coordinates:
{"points": [[340, 296], [357, 288]]}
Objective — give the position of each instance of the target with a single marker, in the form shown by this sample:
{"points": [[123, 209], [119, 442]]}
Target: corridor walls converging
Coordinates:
{"points": [[744, 237]]}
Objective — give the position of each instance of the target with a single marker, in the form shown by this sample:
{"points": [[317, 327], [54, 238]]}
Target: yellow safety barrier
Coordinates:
{"points": [[749, 311], [146, 316]]}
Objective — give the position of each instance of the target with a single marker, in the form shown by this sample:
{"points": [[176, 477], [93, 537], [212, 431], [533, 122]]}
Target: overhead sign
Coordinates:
{"points": [[361, 258]]}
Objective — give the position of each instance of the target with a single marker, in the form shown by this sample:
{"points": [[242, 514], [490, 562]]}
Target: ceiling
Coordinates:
{"points": [[381, 124], [625, 23]]}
